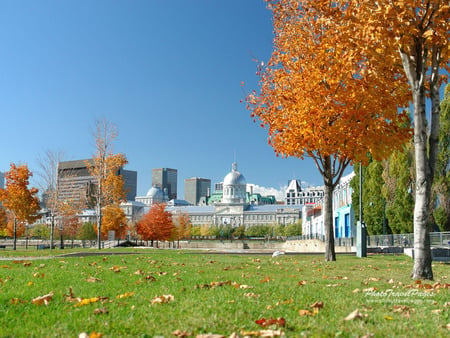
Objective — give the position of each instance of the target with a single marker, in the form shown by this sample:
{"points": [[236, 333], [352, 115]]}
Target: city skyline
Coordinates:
{"points": [[168, 74]]}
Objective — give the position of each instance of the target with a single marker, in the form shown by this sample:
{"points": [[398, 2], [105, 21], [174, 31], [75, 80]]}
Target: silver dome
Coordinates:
{"points": [[234, 177], [155, 193]]}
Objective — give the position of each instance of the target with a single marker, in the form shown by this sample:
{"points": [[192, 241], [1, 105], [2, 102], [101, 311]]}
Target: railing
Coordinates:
{"points": [[437, 239]]}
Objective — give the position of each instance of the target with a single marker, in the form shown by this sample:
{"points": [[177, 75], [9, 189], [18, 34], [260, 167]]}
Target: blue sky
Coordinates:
{"points": [[167, 73]]}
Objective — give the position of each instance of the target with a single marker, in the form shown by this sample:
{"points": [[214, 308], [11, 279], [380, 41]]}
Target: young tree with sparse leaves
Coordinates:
{"points": [[322, 96], [22, 202], [104, 168]]}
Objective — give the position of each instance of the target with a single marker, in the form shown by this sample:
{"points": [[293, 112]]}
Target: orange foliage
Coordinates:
{"points": [[321, 94], [114, 219], [182, 227], [157, 224], [20, 229], [3, 218], [17, 198]]}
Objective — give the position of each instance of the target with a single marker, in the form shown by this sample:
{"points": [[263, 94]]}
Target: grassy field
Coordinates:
{"points": [[177, 293]]}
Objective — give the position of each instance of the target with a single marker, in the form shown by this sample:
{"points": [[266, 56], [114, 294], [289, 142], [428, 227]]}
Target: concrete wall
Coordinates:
{"points": [[301, 246]]}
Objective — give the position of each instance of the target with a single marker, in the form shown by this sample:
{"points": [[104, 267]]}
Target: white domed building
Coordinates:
{"points": [[234, 187], [154, 196], [233, 205]]}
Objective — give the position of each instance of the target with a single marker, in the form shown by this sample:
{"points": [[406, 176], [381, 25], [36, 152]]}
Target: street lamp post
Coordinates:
{"points": [[61, 244]]}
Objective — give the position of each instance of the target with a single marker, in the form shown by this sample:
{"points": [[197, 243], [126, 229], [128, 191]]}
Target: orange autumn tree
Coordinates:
{"points": [[21, 202], [156, 225], [322, 97], [182, 227], [415, 33], [104, 168], [3, 220], [114, 219]]}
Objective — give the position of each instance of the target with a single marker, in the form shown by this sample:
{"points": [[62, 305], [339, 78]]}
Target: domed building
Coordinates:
{"points": [[154, 195], [234, 187], [231, 204]]}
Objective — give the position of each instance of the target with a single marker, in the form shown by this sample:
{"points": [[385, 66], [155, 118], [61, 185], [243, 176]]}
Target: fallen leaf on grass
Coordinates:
{"points": [[87, 301], [265, 280], [388, 317], [354, 315], [302, 312], [118, 268], [179, 333], [437, 311], [150, 278], [287, 301], [356, 291], [251, 295], [125, 295], [262, 333], [43, 299], [92, 335], [318, 305], [302, 282], [280, 321], [162, 299], [92, 279], [334, 285], [210, 335], [103, 310], [17, 301], [70, 297], [139, 272], [27, 264]]}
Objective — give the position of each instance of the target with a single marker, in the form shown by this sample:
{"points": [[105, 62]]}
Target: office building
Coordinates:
{"points": [[165, 179], [196, 189], [75, 180]]}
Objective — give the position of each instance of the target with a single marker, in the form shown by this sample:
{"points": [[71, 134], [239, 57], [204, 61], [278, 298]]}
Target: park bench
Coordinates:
{"points": [[2, 246]]}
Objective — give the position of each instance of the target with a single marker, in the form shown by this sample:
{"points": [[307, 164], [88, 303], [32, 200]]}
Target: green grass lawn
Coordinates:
{"points": [[157, 293]]}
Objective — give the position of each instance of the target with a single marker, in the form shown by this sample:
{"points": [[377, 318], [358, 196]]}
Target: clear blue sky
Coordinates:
{"points": [[167, 73]]}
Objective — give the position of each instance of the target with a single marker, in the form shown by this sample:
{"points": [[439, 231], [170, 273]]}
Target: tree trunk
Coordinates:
{"points": [[15, 234], [422, 250], [330, 254], [415, 69]]}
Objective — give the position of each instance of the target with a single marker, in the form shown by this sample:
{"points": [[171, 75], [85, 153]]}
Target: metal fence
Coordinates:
{"points": [[25, 244], [437, 239]]}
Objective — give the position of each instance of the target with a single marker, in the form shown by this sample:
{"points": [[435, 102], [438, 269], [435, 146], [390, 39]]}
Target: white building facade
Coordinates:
{"points": [[343, 215], [235, 210]]}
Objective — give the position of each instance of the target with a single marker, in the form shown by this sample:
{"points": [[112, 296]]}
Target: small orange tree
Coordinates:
{"points": [[156, 225], [322, 96], [182, 227], [114, 219], [21, 202]]}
